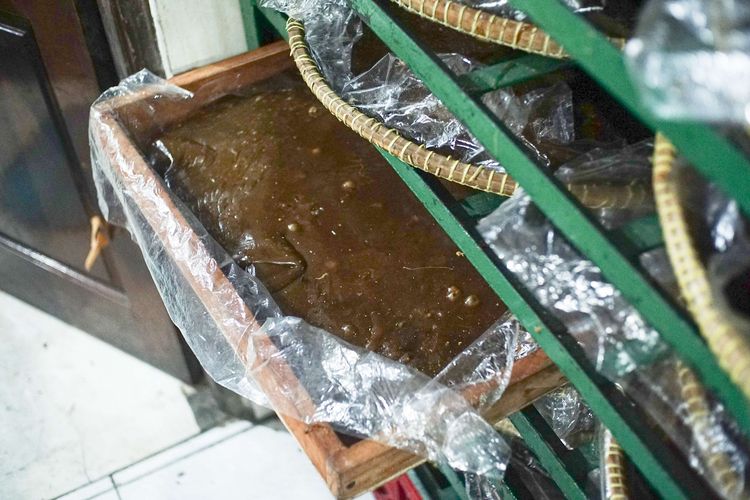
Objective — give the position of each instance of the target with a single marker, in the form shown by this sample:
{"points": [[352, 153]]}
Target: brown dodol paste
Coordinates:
{"points": [[329, 227]]}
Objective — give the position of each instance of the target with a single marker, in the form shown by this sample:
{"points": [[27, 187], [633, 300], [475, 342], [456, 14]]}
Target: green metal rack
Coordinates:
{"points": [[614, 252]]}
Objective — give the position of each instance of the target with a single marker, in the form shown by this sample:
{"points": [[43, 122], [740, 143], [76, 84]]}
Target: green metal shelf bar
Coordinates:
{"points": [[252, 25], [559, 206], [567, 468], [713, 155], [643, 234], [668, 473], [261, 24], [276, 20], [507, 73]]}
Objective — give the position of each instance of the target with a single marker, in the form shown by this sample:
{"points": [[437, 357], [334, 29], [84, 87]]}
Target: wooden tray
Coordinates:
{"points": [[348, 467]]}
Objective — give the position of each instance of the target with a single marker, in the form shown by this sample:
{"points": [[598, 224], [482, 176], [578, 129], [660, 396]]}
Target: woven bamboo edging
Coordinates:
{"points": [[718, 464], [418, 156], [517, 35], [377, 133], [728, 345], [614, 479]]}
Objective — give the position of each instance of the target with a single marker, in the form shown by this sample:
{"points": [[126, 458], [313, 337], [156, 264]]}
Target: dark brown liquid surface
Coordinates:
{"points": [[331, 230]]}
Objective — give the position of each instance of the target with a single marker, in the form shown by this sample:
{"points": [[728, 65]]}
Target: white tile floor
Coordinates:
{"points": [[81, 420]]}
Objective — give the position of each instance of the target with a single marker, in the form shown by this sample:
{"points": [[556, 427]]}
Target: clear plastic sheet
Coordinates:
{"points": [[488, 358], [390, 92], [611, 332], [530, 472], [616, 164], [242, 339], [683, 408], [691, 59], [568, 415], [609, 329], [526, 469]]}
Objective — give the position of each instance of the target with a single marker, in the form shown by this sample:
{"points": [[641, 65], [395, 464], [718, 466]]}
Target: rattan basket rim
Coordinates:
{"points": [[730, 347], [389, 139], [483, 25]]}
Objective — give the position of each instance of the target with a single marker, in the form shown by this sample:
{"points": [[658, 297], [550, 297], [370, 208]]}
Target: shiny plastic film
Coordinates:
{"points": [[393, 94], [568, 416], [246, 343], [691, 60], [610, 331], [388, 91]]}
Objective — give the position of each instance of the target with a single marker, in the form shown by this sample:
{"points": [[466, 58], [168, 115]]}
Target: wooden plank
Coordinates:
{"points": [[347, 470], [236, 73]]}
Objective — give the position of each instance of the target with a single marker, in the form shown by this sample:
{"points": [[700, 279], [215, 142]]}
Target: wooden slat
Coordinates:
{"points": [[234, 74]]}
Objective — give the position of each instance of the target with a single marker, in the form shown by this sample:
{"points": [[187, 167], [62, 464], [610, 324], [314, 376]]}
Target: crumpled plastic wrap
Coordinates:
{"points": [[694, 421], [390, 92], [525, 468], [245, 342], [611, 332], [615, 164], [568, 415], [393, 94], [691, 60]]}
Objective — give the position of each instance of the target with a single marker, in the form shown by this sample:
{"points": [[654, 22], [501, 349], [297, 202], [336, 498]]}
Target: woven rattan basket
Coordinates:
{"points": [[728, 344], [490, 27], [417, 155]]}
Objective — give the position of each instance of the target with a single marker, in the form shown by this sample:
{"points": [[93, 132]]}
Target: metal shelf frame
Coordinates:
{"points": [[614, 252]]}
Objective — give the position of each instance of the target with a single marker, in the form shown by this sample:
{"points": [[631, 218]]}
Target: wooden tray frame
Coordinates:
{"points": [[348, 469]]}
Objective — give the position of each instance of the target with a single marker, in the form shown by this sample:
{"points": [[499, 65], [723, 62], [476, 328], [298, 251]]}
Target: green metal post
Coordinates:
{"points": [[253, 34]]}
